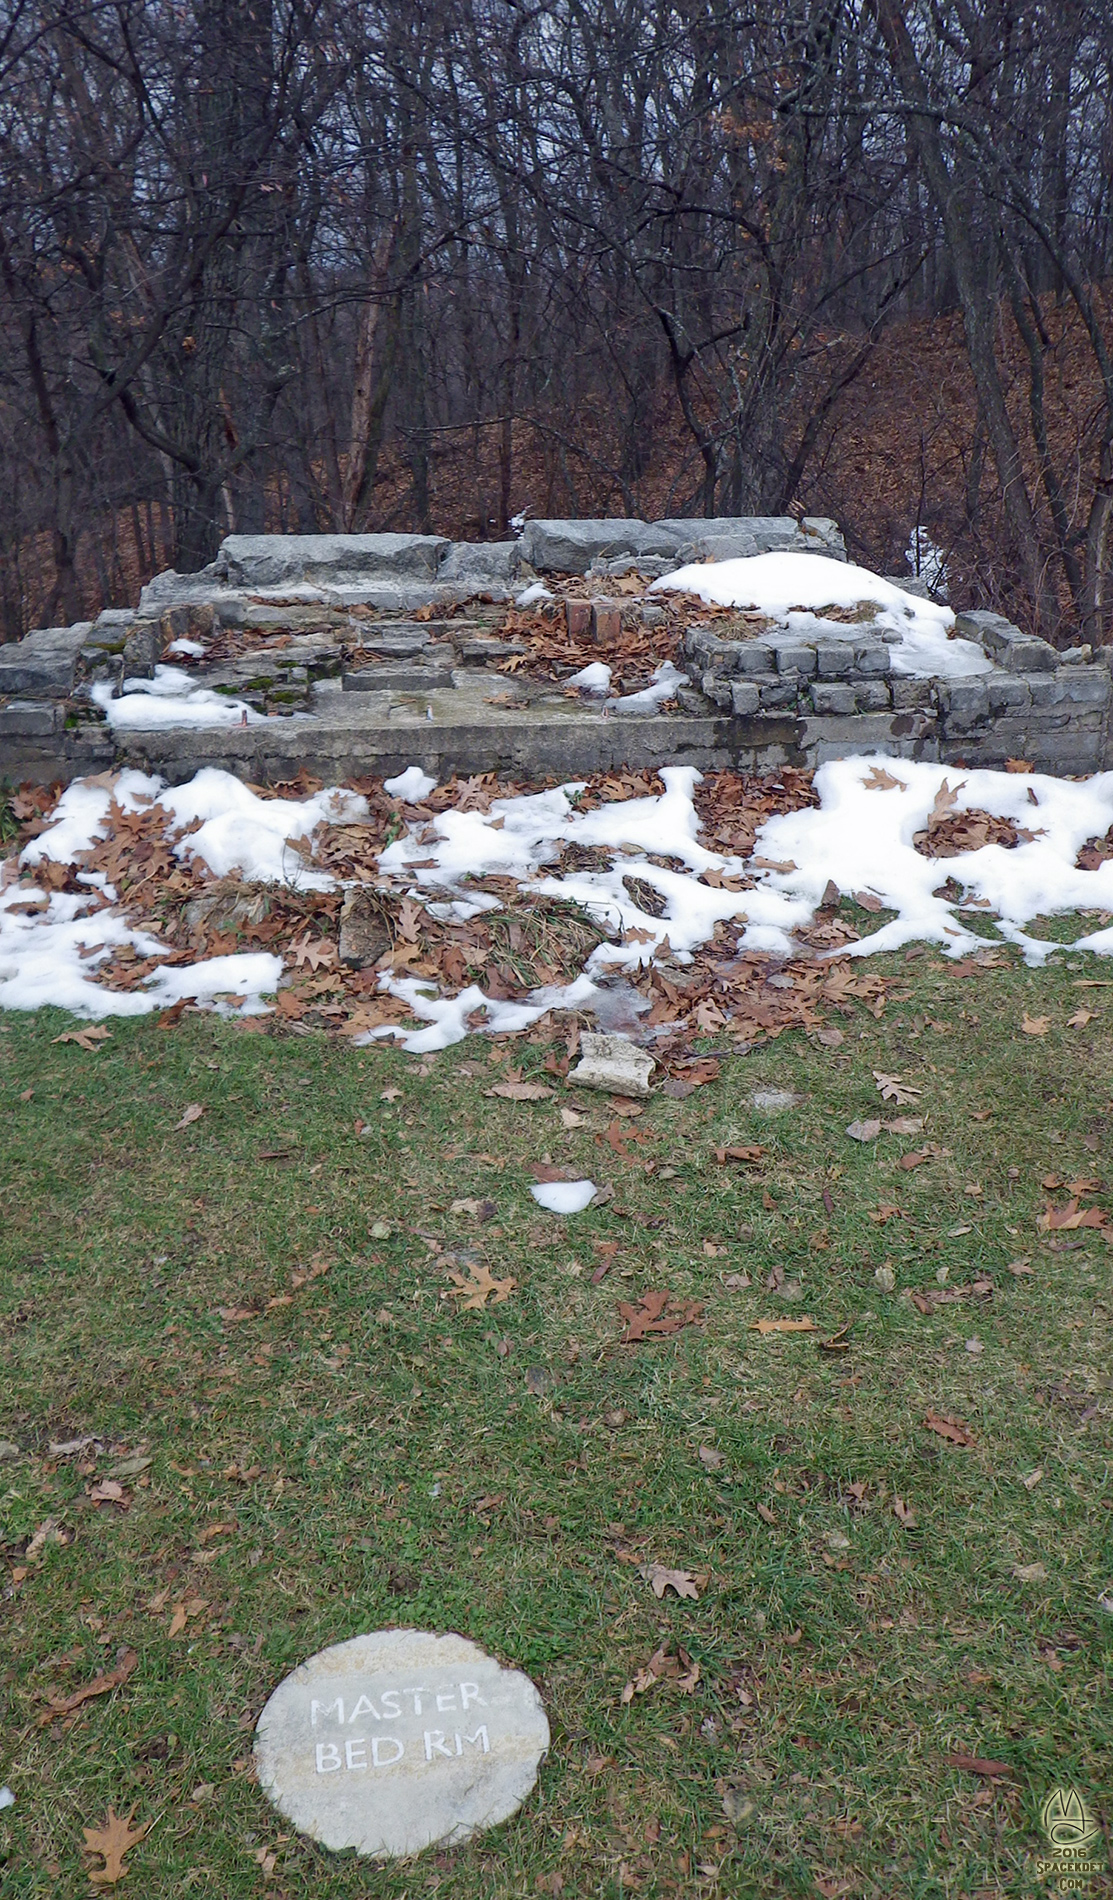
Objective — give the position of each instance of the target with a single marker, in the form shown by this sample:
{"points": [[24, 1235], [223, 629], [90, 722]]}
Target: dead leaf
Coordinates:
{"points": [[1019, 1267], [764, 1326], [1035, 1025], [864, 1131], [661, 1667], [1067, 1219], [1080, 1018], [101, 1685], [108, 1492], [316, 954], [752, 1152], [112, 1841], [766, 1515], [192, 1113], [520, 1091], [904, 1514], [1033, 1478], [954, 1429], [657, 1312], [477, 1286], [86, 1038], [879, 780], [1030, 1573], [710, 1458], [570, 1119], [893, 1089], [978, 1765], [682, 1581]]}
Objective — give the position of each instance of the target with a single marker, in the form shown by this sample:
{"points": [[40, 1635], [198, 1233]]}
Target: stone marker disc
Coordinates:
{"points": [[400, 1740]]}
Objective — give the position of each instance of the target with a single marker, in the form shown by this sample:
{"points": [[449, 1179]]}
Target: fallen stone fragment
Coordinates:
{"points": [[612, 1063]]}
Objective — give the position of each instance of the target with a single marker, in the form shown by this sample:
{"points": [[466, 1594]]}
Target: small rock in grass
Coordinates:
{"points": [[774, 1101], [614, 1064]]}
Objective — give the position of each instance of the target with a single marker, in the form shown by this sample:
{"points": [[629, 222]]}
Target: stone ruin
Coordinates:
{"points": [[369, 653]]}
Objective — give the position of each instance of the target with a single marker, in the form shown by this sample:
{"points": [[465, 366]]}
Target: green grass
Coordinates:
{"points": [[842, 1656]]}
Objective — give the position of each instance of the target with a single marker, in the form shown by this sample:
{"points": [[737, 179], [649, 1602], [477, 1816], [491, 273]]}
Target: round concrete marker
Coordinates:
{"points": [[400, 1740]]}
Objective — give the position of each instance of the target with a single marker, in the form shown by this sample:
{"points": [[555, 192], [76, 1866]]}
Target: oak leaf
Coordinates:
{"points": [[192, 1113], [1035, 1025], [90, 1038], [112, 1841], [316, 953], [893, 1089], [879, 780], [662, 1579], [657, 1312], [477, 1286]]}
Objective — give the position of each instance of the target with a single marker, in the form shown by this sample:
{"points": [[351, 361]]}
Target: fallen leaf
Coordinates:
{"points": [[864, 1131], [657, 1312], [1030, 1573], [661, 1667], [904, 1514], [978, 1765], [954, 1429], [477, 1286], [893, 1089], [974, 1346], [112, 1841], [905, 1124], [108, 1492], [830, 1038], [879, 780], [710, 1458], [101, 1685], [751, 1152], [1080, 1018], [1035, 1025], [766, 1515], [192, 1113], [1070, 1217], [682, 1581], [570, 1119], [86, 1038], [520, 1091], [764, 1326], [1019, 1267]]}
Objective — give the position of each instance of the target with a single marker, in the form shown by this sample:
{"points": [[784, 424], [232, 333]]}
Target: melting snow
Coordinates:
{"points": [[860, 837], [564, 1197], [797, 587], [171, 698]]}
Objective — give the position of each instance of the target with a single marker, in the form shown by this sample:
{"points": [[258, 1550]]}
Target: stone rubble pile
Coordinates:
{"points": [[381, 649]]}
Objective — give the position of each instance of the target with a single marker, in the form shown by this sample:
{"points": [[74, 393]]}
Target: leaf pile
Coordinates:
{"points": [[950, 833]]}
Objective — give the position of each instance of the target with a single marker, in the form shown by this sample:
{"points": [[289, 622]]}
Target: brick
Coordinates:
{"points": [[1084, 685], [606, 622], [578, 617]]}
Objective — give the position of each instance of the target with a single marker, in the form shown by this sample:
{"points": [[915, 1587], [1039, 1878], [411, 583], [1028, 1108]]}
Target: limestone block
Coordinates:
{"points": [[873, 659], [750, 657], [777, 693], [822, 529], [1084, 685], [873, 695], [793, 656], [1017, 652], [834, 696], [910, 694], [613, 1064], [29, 718], [479, 561], [717, 687], [570, 547], [43, 665], [1007, 693], [834, 659], [745, 697], [273, 560], [725, 547]]}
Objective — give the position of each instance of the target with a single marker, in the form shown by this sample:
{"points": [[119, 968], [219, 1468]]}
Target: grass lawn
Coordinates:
{"points": [[259, 1304]]}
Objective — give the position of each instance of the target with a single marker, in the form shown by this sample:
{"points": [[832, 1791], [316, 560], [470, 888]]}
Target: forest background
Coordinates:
{"points": [[309, 265]]}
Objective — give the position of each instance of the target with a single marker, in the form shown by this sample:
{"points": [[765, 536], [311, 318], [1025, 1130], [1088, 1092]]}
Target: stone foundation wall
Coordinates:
{"points": [[764, 699]]}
